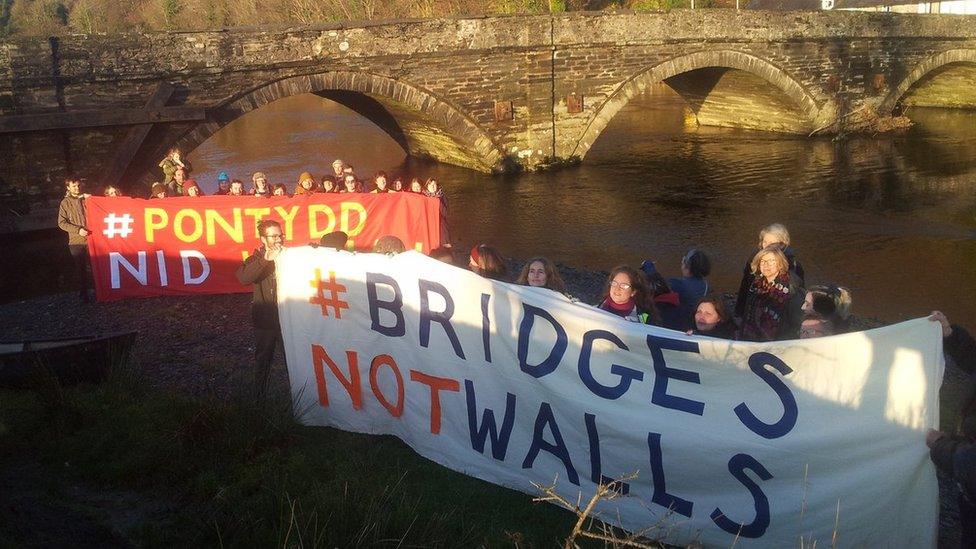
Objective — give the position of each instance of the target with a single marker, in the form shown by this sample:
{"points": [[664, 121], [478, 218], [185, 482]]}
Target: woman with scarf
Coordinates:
{"points": [[774, 299], [628, 296]]}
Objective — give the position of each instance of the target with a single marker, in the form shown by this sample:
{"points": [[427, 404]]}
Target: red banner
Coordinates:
{"points": [[193, 245]]}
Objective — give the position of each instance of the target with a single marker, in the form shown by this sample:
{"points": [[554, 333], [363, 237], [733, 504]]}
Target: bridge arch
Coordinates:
{"points": [[422, 123], [807, 106], [926, 69]]}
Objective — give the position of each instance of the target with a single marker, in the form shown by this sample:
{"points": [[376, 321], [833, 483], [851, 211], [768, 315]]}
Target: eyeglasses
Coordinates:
{"points": [[621, 285], [769, 262]]}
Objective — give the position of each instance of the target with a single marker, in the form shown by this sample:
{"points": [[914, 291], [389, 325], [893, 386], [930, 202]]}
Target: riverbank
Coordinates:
{"points": [[175, 444]]}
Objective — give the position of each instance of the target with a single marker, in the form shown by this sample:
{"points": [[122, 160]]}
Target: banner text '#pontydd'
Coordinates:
{"points": [[190, 225]]}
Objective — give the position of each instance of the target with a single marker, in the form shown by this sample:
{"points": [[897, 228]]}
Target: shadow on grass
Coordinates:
{"points": [[242, 472]]}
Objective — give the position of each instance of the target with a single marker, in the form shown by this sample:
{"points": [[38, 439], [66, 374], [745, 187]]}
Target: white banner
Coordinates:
{"points": [[820, 440]]}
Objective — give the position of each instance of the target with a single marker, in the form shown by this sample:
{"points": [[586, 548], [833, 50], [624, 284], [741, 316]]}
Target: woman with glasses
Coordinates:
{"points": [[628, 296], [769, 235], [774, 299]]}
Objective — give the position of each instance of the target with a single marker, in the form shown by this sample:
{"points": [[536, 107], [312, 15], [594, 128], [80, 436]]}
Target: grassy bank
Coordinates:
{"points": [[232, 473]]}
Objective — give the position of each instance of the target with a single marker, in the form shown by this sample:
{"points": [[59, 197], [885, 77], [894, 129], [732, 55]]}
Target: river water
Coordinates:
{"points": [[891, 217]]}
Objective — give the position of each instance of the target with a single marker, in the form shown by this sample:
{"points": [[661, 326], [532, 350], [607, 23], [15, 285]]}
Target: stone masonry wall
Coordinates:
{"points": [[564, 77]]}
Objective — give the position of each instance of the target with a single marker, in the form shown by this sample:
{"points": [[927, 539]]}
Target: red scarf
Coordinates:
{"points": [[618, 309]]}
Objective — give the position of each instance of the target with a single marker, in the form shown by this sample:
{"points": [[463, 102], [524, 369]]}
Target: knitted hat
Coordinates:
{"points": [[222, 177], [259, 175], [191, 183], [304, 176]]}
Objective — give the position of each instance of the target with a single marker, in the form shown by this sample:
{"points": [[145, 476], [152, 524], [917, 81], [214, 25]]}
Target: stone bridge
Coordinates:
{"points": [[490, 93]]}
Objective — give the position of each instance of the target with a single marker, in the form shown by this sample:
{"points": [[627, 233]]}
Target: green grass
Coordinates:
{"points": [[245, 474]]}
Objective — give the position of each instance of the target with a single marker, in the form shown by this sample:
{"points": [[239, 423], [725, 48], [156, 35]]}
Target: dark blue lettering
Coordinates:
{"points": [[443, 317], [486, 326], [627, 375], [660, 495], [758, 363], [548, 365], [499, 439], [596, 468], [557, 448], [738, 466], [395, 306], [662, 374]]}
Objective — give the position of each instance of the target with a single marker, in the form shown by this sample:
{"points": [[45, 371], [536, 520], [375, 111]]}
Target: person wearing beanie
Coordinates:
{"points": [[223, 183], [158, 191], [191, 188], [306, 184]]}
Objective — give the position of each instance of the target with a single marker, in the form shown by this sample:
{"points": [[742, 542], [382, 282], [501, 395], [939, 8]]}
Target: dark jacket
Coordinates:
{"points": [[71, 217], [748, 276], [765, 318], [956, 454], [264, 302], [690, 290]]}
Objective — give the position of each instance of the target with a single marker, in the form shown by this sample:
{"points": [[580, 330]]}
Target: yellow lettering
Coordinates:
{"points": [[197, 230], [257, 214], [161, 220], [288, 218], [314, 232], [344, 209], [235, 231]]}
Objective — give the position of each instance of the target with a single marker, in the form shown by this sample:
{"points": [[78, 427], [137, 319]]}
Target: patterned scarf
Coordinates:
{"points": [[766, 307]]}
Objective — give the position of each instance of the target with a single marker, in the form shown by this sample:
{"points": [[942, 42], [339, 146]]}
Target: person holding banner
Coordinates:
{"points": [[192, 188], [627, 295], [541, 272], [71, 219], [955, 455], [259, 269], [260, 185], [306, 184]]}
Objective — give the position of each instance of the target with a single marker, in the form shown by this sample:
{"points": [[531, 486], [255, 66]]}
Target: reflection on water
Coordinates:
{"points": [[892, 217]]}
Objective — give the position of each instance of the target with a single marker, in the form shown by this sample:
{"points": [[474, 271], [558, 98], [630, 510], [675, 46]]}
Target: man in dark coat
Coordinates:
{"points": [[259, 270], [71, 219], [955, 455]]}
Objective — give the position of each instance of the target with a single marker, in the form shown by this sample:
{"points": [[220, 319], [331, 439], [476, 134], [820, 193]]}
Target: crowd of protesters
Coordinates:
{"points": [[773, 301], [342, 179]]}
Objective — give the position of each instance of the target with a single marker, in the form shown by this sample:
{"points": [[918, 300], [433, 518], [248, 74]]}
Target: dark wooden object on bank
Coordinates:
{"points": [[83, 359], [136, 136]]}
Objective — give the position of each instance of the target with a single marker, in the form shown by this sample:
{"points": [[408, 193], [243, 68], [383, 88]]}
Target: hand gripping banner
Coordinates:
{"points": [[173, 246], [759, 445]]}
